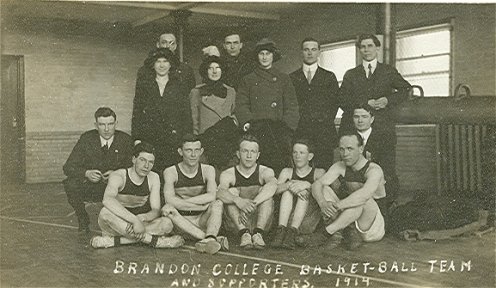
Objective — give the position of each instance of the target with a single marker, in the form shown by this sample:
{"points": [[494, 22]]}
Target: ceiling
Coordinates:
{"points": [[140, 14]]}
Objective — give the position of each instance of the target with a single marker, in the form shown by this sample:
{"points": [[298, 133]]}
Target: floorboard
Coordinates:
{"points": [[41, 247]]}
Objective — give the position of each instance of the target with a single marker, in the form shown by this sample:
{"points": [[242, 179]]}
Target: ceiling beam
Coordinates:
{"points": [[236, 13], [150, 18], [193, 7]]}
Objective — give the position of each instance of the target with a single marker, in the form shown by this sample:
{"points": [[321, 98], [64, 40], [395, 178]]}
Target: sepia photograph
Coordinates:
{"points": [[247, 144]]}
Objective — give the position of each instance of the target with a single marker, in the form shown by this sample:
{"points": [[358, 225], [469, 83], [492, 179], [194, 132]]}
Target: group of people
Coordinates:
{"points": [[202, 198]]}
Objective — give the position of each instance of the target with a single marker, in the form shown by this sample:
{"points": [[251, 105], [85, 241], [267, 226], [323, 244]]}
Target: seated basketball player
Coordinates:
{"points": [[190, 196], [131, 211], [364, 182], [247, 191], [295, 185]]}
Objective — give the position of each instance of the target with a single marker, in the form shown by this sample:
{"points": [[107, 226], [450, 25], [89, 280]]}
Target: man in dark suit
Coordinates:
{"points": [[97, 153], [373, 83], [378, 150], [317, 94]]}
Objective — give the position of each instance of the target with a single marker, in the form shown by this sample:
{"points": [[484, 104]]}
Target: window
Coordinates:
{"points": [[338, 58], [423, 57]]}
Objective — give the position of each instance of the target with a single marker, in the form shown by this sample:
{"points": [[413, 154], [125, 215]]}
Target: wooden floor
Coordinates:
{"points": [[41, 247]]}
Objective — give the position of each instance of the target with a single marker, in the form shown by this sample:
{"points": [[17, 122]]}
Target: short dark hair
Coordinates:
{"points": [[353, 133], [104, 112], [143, 147], [362, 37], [310, 39], [306, 142], [250, 138], [189, 137], [365, 107], [230, 33]]}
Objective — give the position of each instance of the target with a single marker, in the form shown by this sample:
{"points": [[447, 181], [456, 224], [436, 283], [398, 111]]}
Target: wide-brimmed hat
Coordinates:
{"points": [[161, 53], [269, 45]]}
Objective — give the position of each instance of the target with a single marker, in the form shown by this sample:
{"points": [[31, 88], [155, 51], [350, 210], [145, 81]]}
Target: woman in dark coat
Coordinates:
{"points": [[161, 111]]}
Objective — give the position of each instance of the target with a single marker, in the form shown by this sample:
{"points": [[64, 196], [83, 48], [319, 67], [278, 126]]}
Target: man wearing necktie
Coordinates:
{"points": [[317, 94], [376, 84], [97, 153], [373, 83]]}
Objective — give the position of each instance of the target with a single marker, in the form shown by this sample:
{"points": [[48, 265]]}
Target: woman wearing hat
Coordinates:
{"points": [[213, 100], [267, 93], [161, 110]]}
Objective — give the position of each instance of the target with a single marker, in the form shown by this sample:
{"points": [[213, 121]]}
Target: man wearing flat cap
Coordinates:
{"points": [[266, 93]]}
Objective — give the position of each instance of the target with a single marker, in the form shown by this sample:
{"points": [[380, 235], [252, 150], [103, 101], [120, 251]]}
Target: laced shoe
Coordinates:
{"points": [[169, 242], [278, 239], [352, 238], [258, 242], [224, 243], [319, 239], [246, 241], [289, 241], [102, 242], [208, 245]]}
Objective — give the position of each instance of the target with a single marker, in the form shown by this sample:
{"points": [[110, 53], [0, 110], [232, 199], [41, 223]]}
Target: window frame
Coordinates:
{"points": [[431, 27]]}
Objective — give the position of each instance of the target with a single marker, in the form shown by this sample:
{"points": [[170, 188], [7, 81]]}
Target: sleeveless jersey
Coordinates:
{"points": [[142, 191], [356, 179], [252, 180], [309, 177], [187, 187]]}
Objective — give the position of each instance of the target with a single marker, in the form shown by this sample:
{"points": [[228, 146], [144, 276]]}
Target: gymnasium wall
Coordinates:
{"points": [[73, 68]]}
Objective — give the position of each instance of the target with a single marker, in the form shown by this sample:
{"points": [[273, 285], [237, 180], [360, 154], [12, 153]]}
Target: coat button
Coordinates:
{"points": [[273, 105], [274, 79]]}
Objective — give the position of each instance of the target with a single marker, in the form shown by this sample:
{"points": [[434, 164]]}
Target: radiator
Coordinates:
{"points": [[459, 159]]}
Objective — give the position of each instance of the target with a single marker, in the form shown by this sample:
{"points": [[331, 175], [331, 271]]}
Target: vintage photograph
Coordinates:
{"points": [[236, 144]]}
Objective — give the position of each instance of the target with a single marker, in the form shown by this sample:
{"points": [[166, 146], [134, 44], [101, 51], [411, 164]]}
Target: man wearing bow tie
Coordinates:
{"points": [[97, 153]]}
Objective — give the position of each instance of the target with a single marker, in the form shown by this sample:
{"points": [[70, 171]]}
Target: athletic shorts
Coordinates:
{"points": [[376, 231]]}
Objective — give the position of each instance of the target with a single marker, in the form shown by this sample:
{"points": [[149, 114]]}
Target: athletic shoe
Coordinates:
{"points": [[278, 237], [258, 242], [208, 245], [289, 241], [224, 244], [352, 237], [320, 239], [169, 242], [246, 241], [102, 242]]}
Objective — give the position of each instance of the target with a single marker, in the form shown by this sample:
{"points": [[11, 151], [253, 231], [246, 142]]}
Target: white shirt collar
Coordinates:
{"points": [[366, 64], [104, 141], [313, 67], [365, 135]]}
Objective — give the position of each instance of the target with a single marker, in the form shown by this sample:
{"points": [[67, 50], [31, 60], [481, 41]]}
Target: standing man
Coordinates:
{"points": [[131, 206], [190, 193], [97, 153], [267, 93], [365, 182], [317, 93], [237, 63], [247, 191], [183, 71], [373, 83], [378, 151]]}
